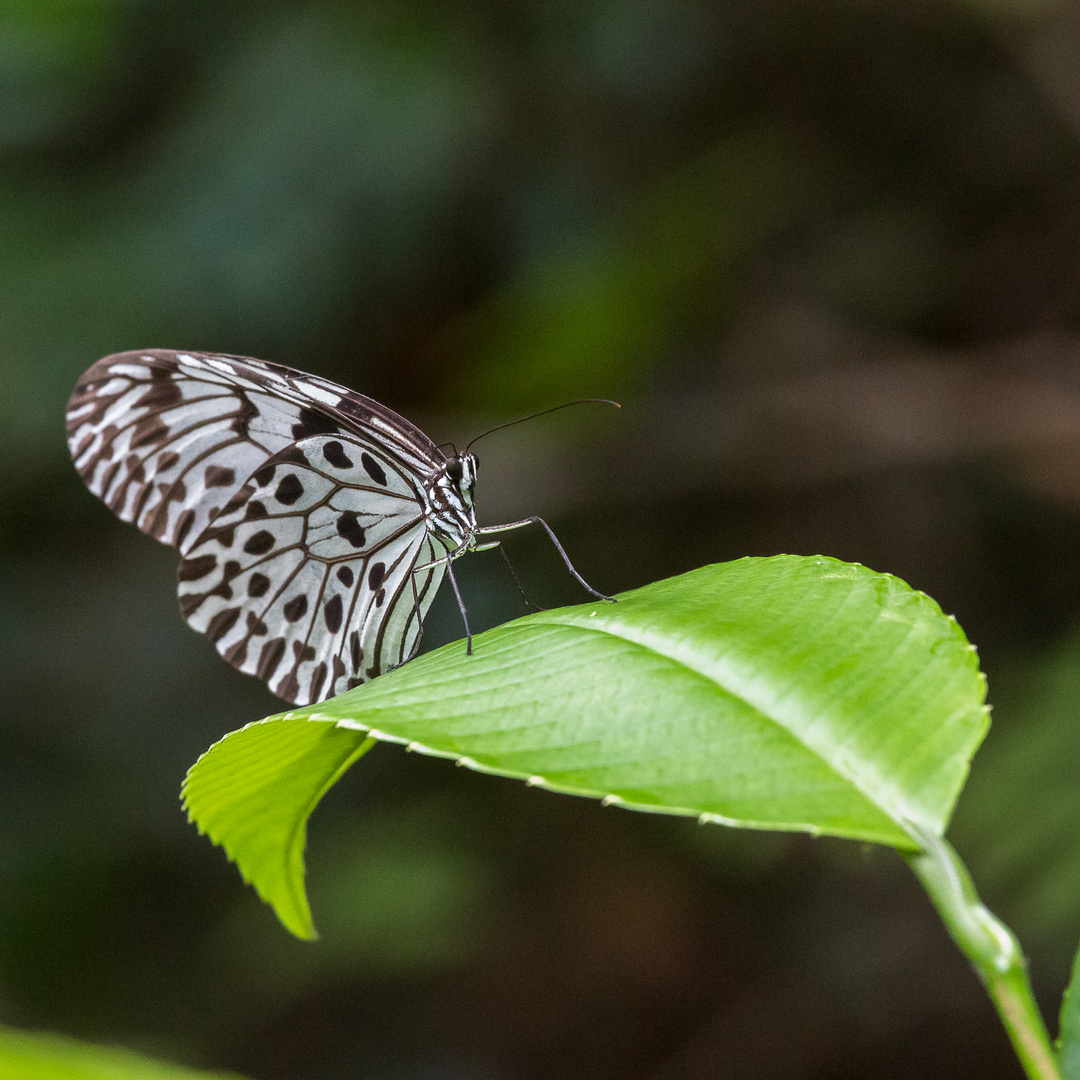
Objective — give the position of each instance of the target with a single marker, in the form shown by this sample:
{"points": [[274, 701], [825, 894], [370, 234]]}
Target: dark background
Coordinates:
{"points": [[827, 255]]}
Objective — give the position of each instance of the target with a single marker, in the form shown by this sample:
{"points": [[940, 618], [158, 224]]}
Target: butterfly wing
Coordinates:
{"points": [[167, 438], [299, 506]]}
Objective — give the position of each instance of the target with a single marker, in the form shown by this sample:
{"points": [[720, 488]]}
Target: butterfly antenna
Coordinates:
{"points": [[543, 412]]}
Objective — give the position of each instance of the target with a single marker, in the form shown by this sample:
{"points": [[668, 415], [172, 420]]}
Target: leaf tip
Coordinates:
{"points": [[298, 923]]}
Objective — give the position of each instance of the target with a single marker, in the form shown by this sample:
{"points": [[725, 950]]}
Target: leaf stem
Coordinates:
{"points": [[992, 949]]}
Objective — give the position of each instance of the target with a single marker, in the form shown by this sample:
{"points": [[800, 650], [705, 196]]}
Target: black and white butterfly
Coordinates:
{"points": [[315, 524]]}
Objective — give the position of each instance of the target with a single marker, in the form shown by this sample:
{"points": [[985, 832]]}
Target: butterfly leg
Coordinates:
{"points": [[509, 566], [513, 574], [488, 530], [419, 619], [461, 607]]}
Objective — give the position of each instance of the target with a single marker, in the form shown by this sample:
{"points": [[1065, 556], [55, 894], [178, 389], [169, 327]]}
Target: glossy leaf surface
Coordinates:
{"points": [[784, 693]]}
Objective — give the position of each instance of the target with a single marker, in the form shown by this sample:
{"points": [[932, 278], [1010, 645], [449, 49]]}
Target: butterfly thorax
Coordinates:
{"points": [[452, 514]]}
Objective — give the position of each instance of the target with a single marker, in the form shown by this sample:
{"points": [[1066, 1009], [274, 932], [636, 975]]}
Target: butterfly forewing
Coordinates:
{"points": [[161, 448], [301, 509]]}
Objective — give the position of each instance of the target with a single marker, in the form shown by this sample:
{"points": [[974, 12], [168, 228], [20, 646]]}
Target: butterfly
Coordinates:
{"points": [[314, 524]]}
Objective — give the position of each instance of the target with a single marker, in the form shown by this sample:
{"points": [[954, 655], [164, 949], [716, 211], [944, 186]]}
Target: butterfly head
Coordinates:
{"points": [[461, 476]]}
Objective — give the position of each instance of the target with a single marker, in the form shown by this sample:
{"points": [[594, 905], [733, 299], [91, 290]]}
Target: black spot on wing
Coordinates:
{"points": [[258, 585], [190, 603], [349, 527], [217, 476], [147, 431], [193, 569], [373, 468], [293, 454], [289, 490], [135, 468], [313, 422], [222, 623], [270, 657], [184, 524], [318, 677], [345, 576], [163, 393], [236, 653], [161, 363], [265, 475], [376, 576], [255, 511], [295, 608], [140, 501], [332, 613], [222, 534], [158, 520], [110, 475], [334, 452], [244, 415], [339, 671], [259, 543], [289, 688]]}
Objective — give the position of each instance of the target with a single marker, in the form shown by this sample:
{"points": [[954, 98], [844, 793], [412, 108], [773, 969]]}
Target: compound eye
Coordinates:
{"points": [[453, 470]]}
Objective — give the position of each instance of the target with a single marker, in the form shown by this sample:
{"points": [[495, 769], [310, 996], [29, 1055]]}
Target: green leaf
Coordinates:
{"points": [[784, 693], [28, 1055], [790, 693], [253, 792]]}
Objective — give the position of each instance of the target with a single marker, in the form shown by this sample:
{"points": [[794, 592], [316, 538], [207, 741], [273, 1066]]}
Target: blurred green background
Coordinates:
{"points": [[827, 254]]}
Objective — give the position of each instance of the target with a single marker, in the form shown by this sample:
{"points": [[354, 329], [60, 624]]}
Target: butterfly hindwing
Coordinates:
{"points": [[299, 577], [399, 631]]}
